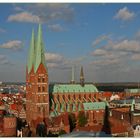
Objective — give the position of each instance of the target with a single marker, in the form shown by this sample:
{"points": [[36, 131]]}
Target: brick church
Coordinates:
{"points": [[50, 104]]}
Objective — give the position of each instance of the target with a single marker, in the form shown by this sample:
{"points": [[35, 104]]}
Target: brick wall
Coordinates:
{"points": [[9, 126]]}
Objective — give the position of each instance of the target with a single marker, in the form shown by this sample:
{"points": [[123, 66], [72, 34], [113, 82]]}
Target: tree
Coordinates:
{"points": [[72, 121], [50, 134], [82, 119], [41, 130], [62, 132]]}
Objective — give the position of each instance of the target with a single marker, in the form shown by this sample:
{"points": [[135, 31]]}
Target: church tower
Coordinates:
{"points": [[37, 96], [82, 79]]}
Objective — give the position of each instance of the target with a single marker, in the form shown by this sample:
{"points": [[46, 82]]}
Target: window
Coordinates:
{"points": [[39, 89], [84, 96], [64, 97], [43, 79], [43, 89], [38, 109], [39, 80], [80, 97], [45, 99], [74, 96], [38, 99], [89, 95]]}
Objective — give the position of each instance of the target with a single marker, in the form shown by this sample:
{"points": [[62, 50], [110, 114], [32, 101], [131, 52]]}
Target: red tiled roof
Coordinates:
{"points": [[16, 107], [107, 94], [13, 106], [2, 112], [1, 103]]}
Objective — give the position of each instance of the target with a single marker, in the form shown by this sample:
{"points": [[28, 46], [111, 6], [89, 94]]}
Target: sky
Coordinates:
{"points": [[103, 38]]}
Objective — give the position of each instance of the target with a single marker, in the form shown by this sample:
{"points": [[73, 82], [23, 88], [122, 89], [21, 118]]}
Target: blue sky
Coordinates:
{"points": [[103, 38]]}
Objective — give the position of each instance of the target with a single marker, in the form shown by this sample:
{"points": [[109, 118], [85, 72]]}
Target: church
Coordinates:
{"points": [[51, 104]]}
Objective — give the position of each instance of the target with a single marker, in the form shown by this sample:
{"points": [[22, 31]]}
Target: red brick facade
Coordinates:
{"points": [[9, 126], [37, 94]]}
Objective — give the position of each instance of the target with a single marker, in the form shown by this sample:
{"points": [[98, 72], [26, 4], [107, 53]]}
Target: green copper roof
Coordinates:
{"points": [[40, 52], [136, 114], [73, 88], [135, 90], [94, 105], [31, 53]]}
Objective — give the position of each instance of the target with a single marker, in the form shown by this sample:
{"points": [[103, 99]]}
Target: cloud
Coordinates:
{"points": [[53, 57], [56, 28], [3, 60], [51, 12], [44, 13], [24, 17], [54, 60], [127, 46], [120, 53], [135, 56], [106, 62], [17, 8], [58, 61], [100, 39], [124, 14], [99, 52], [14, 44]]}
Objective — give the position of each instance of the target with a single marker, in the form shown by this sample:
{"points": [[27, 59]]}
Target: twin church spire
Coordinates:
{"points": [[36, 51]]}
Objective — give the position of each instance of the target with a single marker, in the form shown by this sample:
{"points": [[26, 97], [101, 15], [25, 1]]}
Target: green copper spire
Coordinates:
{"points": [[82, 77], [132, 105], [72, 78], [39, 53], [31, 53]]}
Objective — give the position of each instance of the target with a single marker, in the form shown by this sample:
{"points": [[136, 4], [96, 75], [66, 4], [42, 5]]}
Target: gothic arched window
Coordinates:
{"points": [[39, 80], [39, 89], [69, 97], [43, 79], [43, 89]]}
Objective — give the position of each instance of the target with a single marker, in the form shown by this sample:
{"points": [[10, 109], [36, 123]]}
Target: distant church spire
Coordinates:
{"points": [[82, 77], [132, 105], [72, 76]]}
